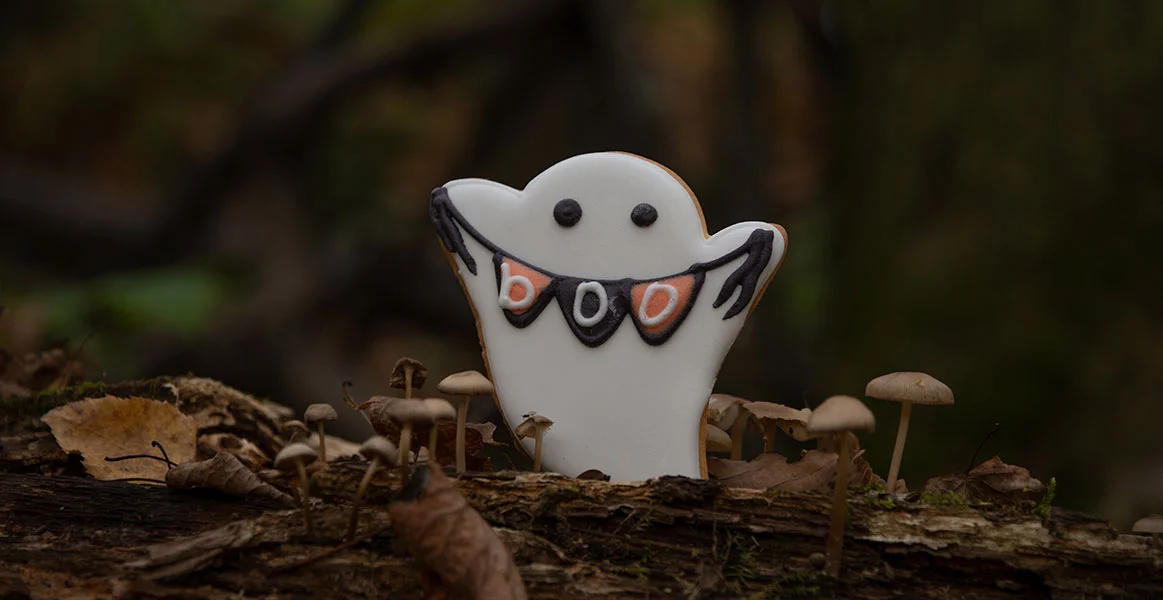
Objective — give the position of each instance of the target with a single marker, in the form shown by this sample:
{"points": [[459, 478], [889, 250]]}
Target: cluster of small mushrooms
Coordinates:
{"points": [[395, 418], [832, 424]]}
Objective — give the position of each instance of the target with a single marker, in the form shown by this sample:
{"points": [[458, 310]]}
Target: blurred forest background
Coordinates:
{"points": [[974, 190]]}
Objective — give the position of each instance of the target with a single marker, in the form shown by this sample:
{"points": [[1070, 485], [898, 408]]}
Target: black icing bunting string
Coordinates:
{"points": [[757, 248]]}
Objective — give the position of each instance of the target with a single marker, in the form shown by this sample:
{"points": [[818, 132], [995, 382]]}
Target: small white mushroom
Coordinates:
{"points": [[726, 414], [295, 458], [534, 426], [1151, 524], [717, 440], [908, 388], [379, 451], [408, 374], [837, 416], [297, 429], [464, 386], [318, 414], [442, 412], [408, 413], [772, 416]]}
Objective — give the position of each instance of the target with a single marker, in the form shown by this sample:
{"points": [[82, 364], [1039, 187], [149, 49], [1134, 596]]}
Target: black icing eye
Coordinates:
{"points": [[644, 215], [567, 212]]}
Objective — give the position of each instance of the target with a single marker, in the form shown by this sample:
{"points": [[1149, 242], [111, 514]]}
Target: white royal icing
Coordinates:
{"points": [[505, 298], [603, 304], [655, 288], [626, 407]]}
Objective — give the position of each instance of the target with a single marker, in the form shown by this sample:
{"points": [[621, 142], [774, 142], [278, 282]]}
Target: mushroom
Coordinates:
{"points": [[726, 414], [534, 426], [442, 412], [770, 416], [297, 429], [908, 388], [838, 416], [318, 414], [717, 440], [408, 413], [294, 459], [1151, 524], [379, 451], [464, 386], [408, 374]]}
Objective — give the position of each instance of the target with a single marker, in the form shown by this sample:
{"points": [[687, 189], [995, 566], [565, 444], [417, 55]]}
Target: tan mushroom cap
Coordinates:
{"points": [[723, 409], [528, 428], [466, 383], [718, 440], [841, 413], [289, 457], [419, 373], [296, 426], [793, 421], [1148, 524], [412, 411], [910, 386], [379, 447], [320, 412], [440, 409]]}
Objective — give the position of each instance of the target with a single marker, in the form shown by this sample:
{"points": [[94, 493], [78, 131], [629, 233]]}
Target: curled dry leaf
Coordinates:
{"points": [[102, 427], [227, 474], [251, 455], [992, 481], [815, 470], [451, 540], [772, 471]]}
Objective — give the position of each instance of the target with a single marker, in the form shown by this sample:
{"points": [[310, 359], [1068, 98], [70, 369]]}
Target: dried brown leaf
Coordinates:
{"points": [[451, 539], [992, 481], [227, 474], [108, 427], [772, 471]]}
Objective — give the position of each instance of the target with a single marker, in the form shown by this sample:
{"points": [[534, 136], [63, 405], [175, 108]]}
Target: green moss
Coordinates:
{"points": [[883, 503], [791, 585], [16, 409], [951, 499], [1042, 509]]}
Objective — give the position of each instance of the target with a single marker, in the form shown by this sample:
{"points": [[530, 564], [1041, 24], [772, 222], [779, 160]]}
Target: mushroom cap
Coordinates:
{"points": [[770, 411], [419, 373], [909, 386], [440, 409], [841, 413], [528, 428], [288, 457], [413, 411], [295, 425], [466, 383], [379, 447], [718, 440], [320, 412], [724, 409], [1148, 524]]}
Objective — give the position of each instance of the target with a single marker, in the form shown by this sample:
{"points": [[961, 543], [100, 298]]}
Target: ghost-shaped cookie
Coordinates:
{"points": [[603, 304]]}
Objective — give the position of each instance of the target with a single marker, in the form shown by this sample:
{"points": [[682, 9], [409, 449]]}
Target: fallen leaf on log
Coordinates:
{"points": [[772, 471], [108, 427], [451, 540], [991, 481], [227, 474]]}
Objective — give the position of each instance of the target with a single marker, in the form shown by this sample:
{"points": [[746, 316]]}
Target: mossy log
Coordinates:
{"points": [[65, 535]]}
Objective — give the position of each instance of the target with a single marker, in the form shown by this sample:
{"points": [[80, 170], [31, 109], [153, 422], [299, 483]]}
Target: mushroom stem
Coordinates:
{"points": [[322, 444], [461, 424], [738, 432], [839, 506], [537, 450], [703, 442], [407, 382], [433, 436], [405, 451], [768, 436], [353, 520], [306, 485], [902, 432]]}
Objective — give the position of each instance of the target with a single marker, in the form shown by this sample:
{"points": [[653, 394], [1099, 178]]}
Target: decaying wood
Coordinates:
{"points": [[69, 536]]}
